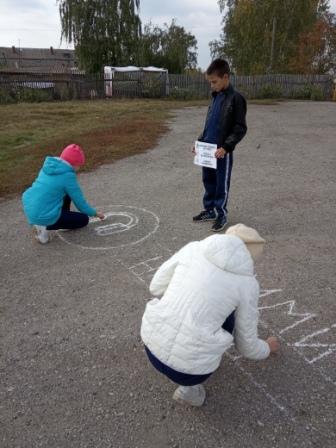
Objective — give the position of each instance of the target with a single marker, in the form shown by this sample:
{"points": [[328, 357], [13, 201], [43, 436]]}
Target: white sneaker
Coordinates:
{"points": [[42, 234], [193, 395]]}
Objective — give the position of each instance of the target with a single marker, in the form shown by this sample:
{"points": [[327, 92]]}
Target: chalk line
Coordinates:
{"points": [[303, 343], [132, 243], [323, 375], [291, 304], [132, 272], [262, 388], [268, 292]]}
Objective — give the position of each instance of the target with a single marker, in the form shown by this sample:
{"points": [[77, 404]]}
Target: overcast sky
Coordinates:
{"points": [[36, 23]]}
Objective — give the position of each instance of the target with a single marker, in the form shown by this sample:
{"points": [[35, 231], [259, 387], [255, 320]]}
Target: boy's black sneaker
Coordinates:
{"points": [[205, 215], [219, 224]]}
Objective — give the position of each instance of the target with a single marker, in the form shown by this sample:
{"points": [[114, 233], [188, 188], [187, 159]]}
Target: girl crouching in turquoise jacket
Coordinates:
{"points": [[47, 202]]}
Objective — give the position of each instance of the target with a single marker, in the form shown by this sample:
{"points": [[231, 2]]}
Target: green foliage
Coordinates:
{"points": [[63, 91], [7, 96], [316, 94], [308, 92], [105, 32], [249, 27], [152, 88], [108, 32], [29, 95], [179, 93], [25, 95], [270, 91], [171, 47]]}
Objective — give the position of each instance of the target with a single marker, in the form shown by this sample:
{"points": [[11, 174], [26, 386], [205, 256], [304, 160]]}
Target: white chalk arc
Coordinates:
{"points": [[132, 220]]}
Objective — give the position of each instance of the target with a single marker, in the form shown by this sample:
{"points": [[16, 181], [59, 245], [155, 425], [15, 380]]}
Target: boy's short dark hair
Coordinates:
{"points": [[219, 67]]}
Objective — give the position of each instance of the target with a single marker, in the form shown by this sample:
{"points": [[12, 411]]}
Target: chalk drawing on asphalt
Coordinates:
{"points": [[144, 270], [326, 348], [290, 304], [115, 227], [305, 342], [276, 403], [123, 226]]}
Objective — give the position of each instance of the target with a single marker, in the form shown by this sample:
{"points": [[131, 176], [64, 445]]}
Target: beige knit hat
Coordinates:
{"points": [[251, 238]]}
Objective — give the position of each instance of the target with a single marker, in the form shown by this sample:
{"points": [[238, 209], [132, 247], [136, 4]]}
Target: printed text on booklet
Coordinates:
{"points": [[205, 154]]}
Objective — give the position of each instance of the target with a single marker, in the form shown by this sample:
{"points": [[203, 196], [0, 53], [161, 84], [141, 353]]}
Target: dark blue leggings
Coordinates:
{"points": [[186, 379], [68, 219]]}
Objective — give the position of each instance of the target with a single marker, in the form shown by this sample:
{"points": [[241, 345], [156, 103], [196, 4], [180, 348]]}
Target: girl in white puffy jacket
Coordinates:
{"points": [[209, 300]]}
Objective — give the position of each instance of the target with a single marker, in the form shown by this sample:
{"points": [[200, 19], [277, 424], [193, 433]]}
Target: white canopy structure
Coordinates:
{"points": [[110, 71]]}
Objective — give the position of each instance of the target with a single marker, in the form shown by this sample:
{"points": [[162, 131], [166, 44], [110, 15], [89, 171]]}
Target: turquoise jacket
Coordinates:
{"points": [[43, 201]]}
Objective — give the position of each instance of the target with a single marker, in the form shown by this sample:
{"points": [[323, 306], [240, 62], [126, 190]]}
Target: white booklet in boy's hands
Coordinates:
{"points": [[205, 154]]}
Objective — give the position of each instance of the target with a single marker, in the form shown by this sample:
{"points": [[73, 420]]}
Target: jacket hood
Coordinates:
{"points": [[55, 165], [228, 253]]}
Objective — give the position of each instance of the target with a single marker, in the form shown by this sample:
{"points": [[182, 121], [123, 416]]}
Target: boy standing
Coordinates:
{"points": [[225, 126]]}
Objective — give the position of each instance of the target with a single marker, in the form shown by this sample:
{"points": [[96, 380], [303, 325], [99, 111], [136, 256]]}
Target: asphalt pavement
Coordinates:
{"points": [[73, 372]]}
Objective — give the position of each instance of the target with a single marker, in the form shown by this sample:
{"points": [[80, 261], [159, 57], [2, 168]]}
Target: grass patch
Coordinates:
{"points": [[107, 130]]}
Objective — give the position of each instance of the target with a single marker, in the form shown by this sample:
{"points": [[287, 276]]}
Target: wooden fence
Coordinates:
{"points": [[47, 87], [261, 86], [63, 86]]}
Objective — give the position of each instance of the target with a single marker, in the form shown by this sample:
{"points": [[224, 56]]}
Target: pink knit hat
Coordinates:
{"points": [[74, 155]]}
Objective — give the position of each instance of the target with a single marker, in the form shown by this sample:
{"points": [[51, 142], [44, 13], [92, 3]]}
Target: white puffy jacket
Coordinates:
{"points": [[201, 285]]}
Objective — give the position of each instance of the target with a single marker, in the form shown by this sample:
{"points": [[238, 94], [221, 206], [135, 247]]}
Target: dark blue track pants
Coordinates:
{"points": [[217, 185], [68, 219]]}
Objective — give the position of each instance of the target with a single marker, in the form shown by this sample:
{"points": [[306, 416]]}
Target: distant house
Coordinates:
{"points": [[37, 60], [26, 72]]}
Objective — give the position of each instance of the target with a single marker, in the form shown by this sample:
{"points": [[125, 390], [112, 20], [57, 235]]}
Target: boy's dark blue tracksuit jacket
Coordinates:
{"points": [[225, 125]]}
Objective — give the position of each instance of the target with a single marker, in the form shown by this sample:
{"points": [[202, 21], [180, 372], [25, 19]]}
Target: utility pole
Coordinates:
{"points": [[272, 45]]}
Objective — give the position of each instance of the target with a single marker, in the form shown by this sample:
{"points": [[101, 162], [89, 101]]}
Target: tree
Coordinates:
{"points": [[316, 49], [256, 30], [104, 32], [150, 48], [171, 47]]}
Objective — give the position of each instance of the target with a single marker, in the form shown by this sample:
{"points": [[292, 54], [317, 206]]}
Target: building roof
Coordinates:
{"points": [[132, 68], [37, 60]]}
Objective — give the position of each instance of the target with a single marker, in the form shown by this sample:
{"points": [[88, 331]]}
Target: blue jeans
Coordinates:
{"points": [[68, 219], [186, 379]]}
